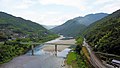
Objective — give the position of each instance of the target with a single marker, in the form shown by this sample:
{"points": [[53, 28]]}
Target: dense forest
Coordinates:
{"points": [[14, 30], [104, 35]]}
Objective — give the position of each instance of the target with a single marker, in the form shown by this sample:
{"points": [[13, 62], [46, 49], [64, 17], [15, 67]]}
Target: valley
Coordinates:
{"points": [[90, 41]]}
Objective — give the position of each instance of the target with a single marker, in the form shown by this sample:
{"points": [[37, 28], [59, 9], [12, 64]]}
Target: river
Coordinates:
{"points": [[43, 58], [39, 50]]}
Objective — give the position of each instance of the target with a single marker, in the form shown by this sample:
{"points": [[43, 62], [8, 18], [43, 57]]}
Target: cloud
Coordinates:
{"points": [[92, 6], [54, 12], [19, 4], [25, 4], [47, 18], [102, 1], [73, 3], [111, 7]]}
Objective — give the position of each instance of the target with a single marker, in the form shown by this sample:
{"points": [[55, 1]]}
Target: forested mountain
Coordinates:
{"points": [[75, 26], [70, 28], [12, 27], [104, 35], [14, 30]]}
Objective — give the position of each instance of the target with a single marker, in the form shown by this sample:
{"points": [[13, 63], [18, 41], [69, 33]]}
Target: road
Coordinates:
{"points": [[35, 62], [93, 59]]}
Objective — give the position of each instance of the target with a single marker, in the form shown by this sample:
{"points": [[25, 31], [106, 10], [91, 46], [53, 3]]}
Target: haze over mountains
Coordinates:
{"points": [[49, 26], [75, 26]]}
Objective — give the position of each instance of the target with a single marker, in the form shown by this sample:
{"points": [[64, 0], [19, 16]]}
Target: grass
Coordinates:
{"points": [[75, 60], [71, 57]]}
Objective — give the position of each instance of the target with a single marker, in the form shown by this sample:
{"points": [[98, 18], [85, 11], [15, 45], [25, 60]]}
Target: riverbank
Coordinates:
{"points": [[12, 48], [45, 60], [75, 60], [51, 48]]}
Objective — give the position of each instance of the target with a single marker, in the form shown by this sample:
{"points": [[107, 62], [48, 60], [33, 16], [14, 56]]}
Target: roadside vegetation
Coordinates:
{"points": [[8, 52], [86, 53], [77, 58]]}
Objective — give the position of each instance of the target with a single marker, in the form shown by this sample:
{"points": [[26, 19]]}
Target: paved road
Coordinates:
{"points": [[93, 59], [35, 62]]}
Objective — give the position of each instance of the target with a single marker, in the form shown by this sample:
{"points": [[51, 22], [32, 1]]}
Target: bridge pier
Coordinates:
{"points": [[55, 50], [32, 47]]}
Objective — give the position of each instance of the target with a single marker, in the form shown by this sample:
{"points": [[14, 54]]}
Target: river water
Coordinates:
{"points": [[41, 59], [38, 51], [49, 60]]}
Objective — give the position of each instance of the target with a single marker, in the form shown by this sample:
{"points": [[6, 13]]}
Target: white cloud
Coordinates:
{"points": [[49, 18], [19, 4], [111, 7], [37, 11], [102, 1], [73, 3], [86, 5], [24, 4]]}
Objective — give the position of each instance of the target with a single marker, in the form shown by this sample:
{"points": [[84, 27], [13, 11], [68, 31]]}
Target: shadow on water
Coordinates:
{"points": [[38, 51]]}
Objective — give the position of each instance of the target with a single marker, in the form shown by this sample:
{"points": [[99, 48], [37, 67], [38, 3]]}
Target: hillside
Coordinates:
{"points": [[14, 30], [104, 35], [70, 28], [12, 27], [75, 26]]}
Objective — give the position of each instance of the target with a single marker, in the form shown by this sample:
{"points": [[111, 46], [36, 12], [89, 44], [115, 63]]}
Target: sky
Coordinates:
{"points": [[56, 12]]}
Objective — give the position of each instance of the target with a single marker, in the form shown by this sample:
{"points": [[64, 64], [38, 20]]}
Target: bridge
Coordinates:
{"points": [[57, 43]]}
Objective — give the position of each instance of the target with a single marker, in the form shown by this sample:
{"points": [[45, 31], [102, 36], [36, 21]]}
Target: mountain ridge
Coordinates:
{"points": [[75, 26], [17, 27], [105, 33]]}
